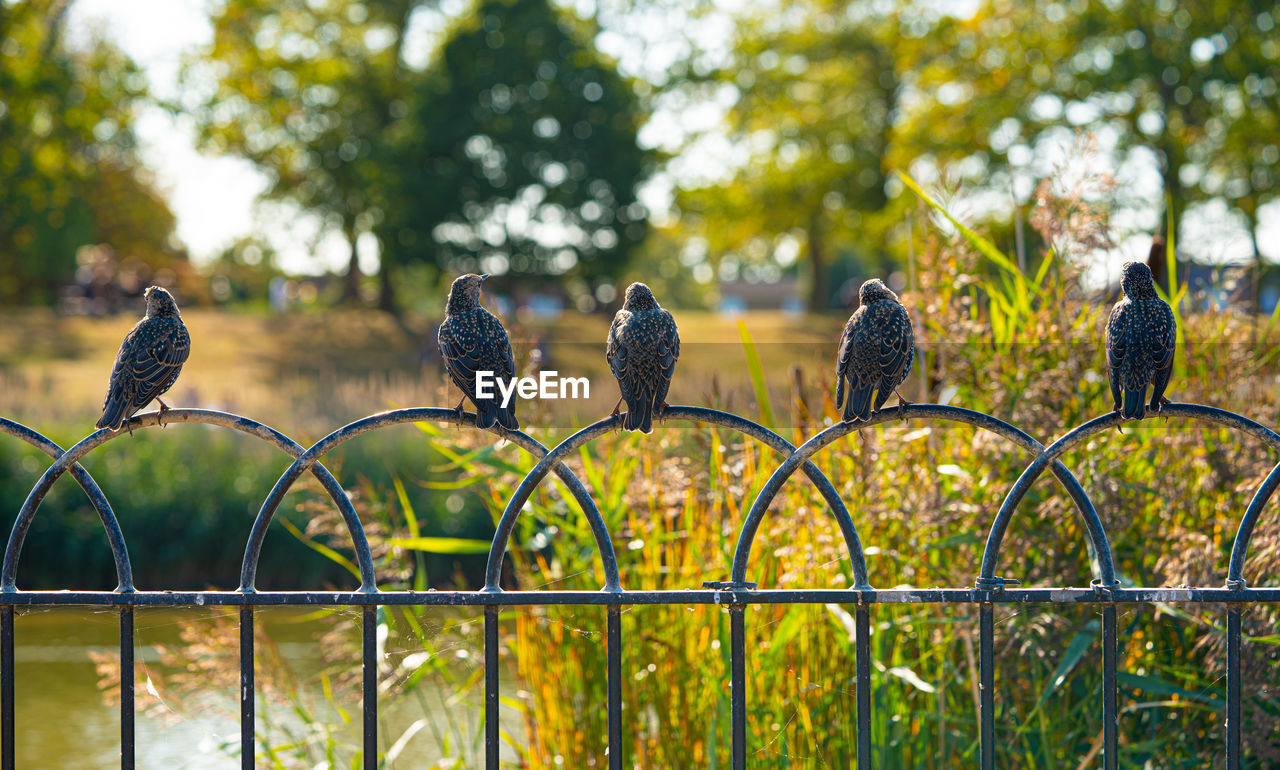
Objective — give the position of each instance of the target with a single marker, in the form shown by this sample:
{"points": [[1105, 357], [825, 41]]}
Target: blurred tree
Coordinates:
{"points": [[815, 92], [522, 157], [69, 176], [310, 92], [1195, 83]]}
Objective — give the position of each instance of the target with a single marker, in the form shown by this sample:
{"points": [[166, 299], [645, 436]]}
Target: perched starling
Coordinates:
{"points": [[149, 360], [1140, 340], [876, 352], [642, 351], [472, 340]]}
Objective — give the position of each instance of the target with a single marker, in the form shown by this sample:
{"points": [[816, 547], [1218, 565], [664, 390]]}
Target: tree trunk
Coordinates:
{"points": [[351, 283], [819, 296], [386, 289]]}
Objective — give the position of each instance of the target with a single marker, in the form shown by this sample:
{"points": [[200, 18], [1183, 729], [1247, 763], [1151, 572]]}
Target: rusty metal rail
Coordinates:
{"points": [[988, 590]]}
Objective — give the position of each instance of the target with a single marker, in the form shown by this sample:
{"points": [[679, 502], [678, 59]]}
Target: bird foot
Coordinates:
{"points": [[616, 408], [902, 404], [160, 418]]}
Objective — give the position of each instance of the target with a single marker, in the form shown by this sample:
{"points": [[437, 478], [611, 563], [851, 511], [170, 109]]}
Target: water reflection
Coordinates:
{"points": [[308, 676]]}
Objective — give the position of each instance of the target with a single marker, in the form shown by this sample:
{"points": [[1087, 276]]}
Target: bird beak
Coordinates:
{"points": [[486, 275]]}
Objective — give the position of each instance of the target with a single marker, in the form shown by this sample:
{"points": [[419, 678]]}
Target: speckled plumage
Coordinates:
{"points": [[471, 340], [1140, 342], [149, 360], [876, 352], [642, 349]]}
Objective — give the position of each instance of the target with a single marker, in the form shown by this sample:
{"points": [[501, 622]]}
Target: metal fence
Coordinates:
{"points": [[989, 588]]}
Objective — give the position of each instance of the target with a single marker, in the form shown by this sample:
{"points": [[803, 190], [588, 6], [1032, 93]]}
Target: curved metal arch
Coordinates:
{"points": [[253, 549], [1091, 428], [498, 549], [115, 538], [1240, 546], [1097, 534], [13, 550]]}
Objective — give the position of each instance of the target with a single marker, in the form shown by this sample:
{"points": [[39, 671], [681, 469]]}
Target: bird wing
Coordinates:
{"points": [[1164, 339], [1117, 336], [155, 360], [668, 345], [460, 349], [615, 353], [897, 346], [478, 344], [843, 354]]}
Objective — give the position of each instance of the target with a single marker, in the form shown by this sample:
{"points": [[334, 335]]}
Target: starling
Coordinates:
{"points": [[472, 340], [876, 352], [149, 360], [642, 351], [1140, 340]]}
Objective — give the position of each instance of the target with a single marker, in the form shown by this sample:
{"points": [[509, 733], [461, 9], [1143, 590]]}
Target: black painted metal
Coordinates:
{"points": [[613, 642], [742, 555], [126, 688], [1092, 428], [1233, 721], [987, 687], [506, 524], [862, 669], [492, 746], [248, 748], [988, 592], [1110, 716], [738, 684], [22, 523], [397, 417], [115, 538], [7, 752], [369, 684]]}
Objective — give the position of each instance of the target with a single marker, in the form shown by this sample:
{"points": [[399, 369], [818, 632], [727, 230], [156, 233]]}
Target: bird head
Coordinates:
{"points": [[465, 292], [874, 290], [639, 297], [159, 302], [1136, 281]]}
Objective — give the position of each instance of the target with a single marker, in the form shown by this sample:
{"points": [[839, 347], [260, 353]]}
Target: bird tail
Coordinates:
{"points": [[858, 407], [639, 414], [113, 413], [487, 414], [1133, 404], [507, 417]]}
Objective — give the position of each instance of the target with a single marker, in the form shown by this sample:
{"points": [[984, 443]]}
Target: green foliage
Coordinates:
{"points": [[815, 94], [522, 151], [70, 174]]}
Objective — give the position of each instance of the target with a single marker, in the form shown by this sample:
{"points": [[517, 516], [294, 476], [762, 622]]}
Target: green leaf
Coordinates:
{"points": [[756, 370], [445, 545], [1079, 645]]}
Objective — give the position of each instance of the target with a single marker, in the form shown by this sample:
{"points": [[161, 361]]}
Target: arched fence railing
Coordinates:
{"points": [[988, 590]]}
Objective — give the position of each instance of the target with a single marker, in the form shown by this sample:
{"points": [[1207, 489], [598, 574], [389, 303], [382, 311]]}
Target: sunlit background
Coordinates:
{"points": [[308, 176]]}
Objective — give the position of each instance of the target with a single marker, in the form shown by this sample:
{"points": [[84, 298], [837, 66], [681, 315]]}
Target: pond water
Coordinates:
{"points": [[307, 670]]}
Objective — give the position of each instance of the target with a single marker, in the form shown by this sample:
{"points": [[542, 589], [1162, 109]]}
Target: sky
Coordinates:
{"points": [[213, 197]]}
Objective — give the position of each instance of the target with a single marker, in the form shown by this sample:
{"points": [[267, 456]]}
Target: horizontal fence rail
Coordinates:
{"points": [[988, 590]]}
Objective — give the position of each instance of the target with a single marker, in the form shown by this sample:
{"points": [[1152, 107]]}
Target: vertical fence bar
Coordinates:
{"points": [[1110, 715], [7, 753], [126, 688], [987, 684], [247, 745], [862, 667], [613, 643], [491, 745], [369, 689], [1234, 694], [738, 683]]}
